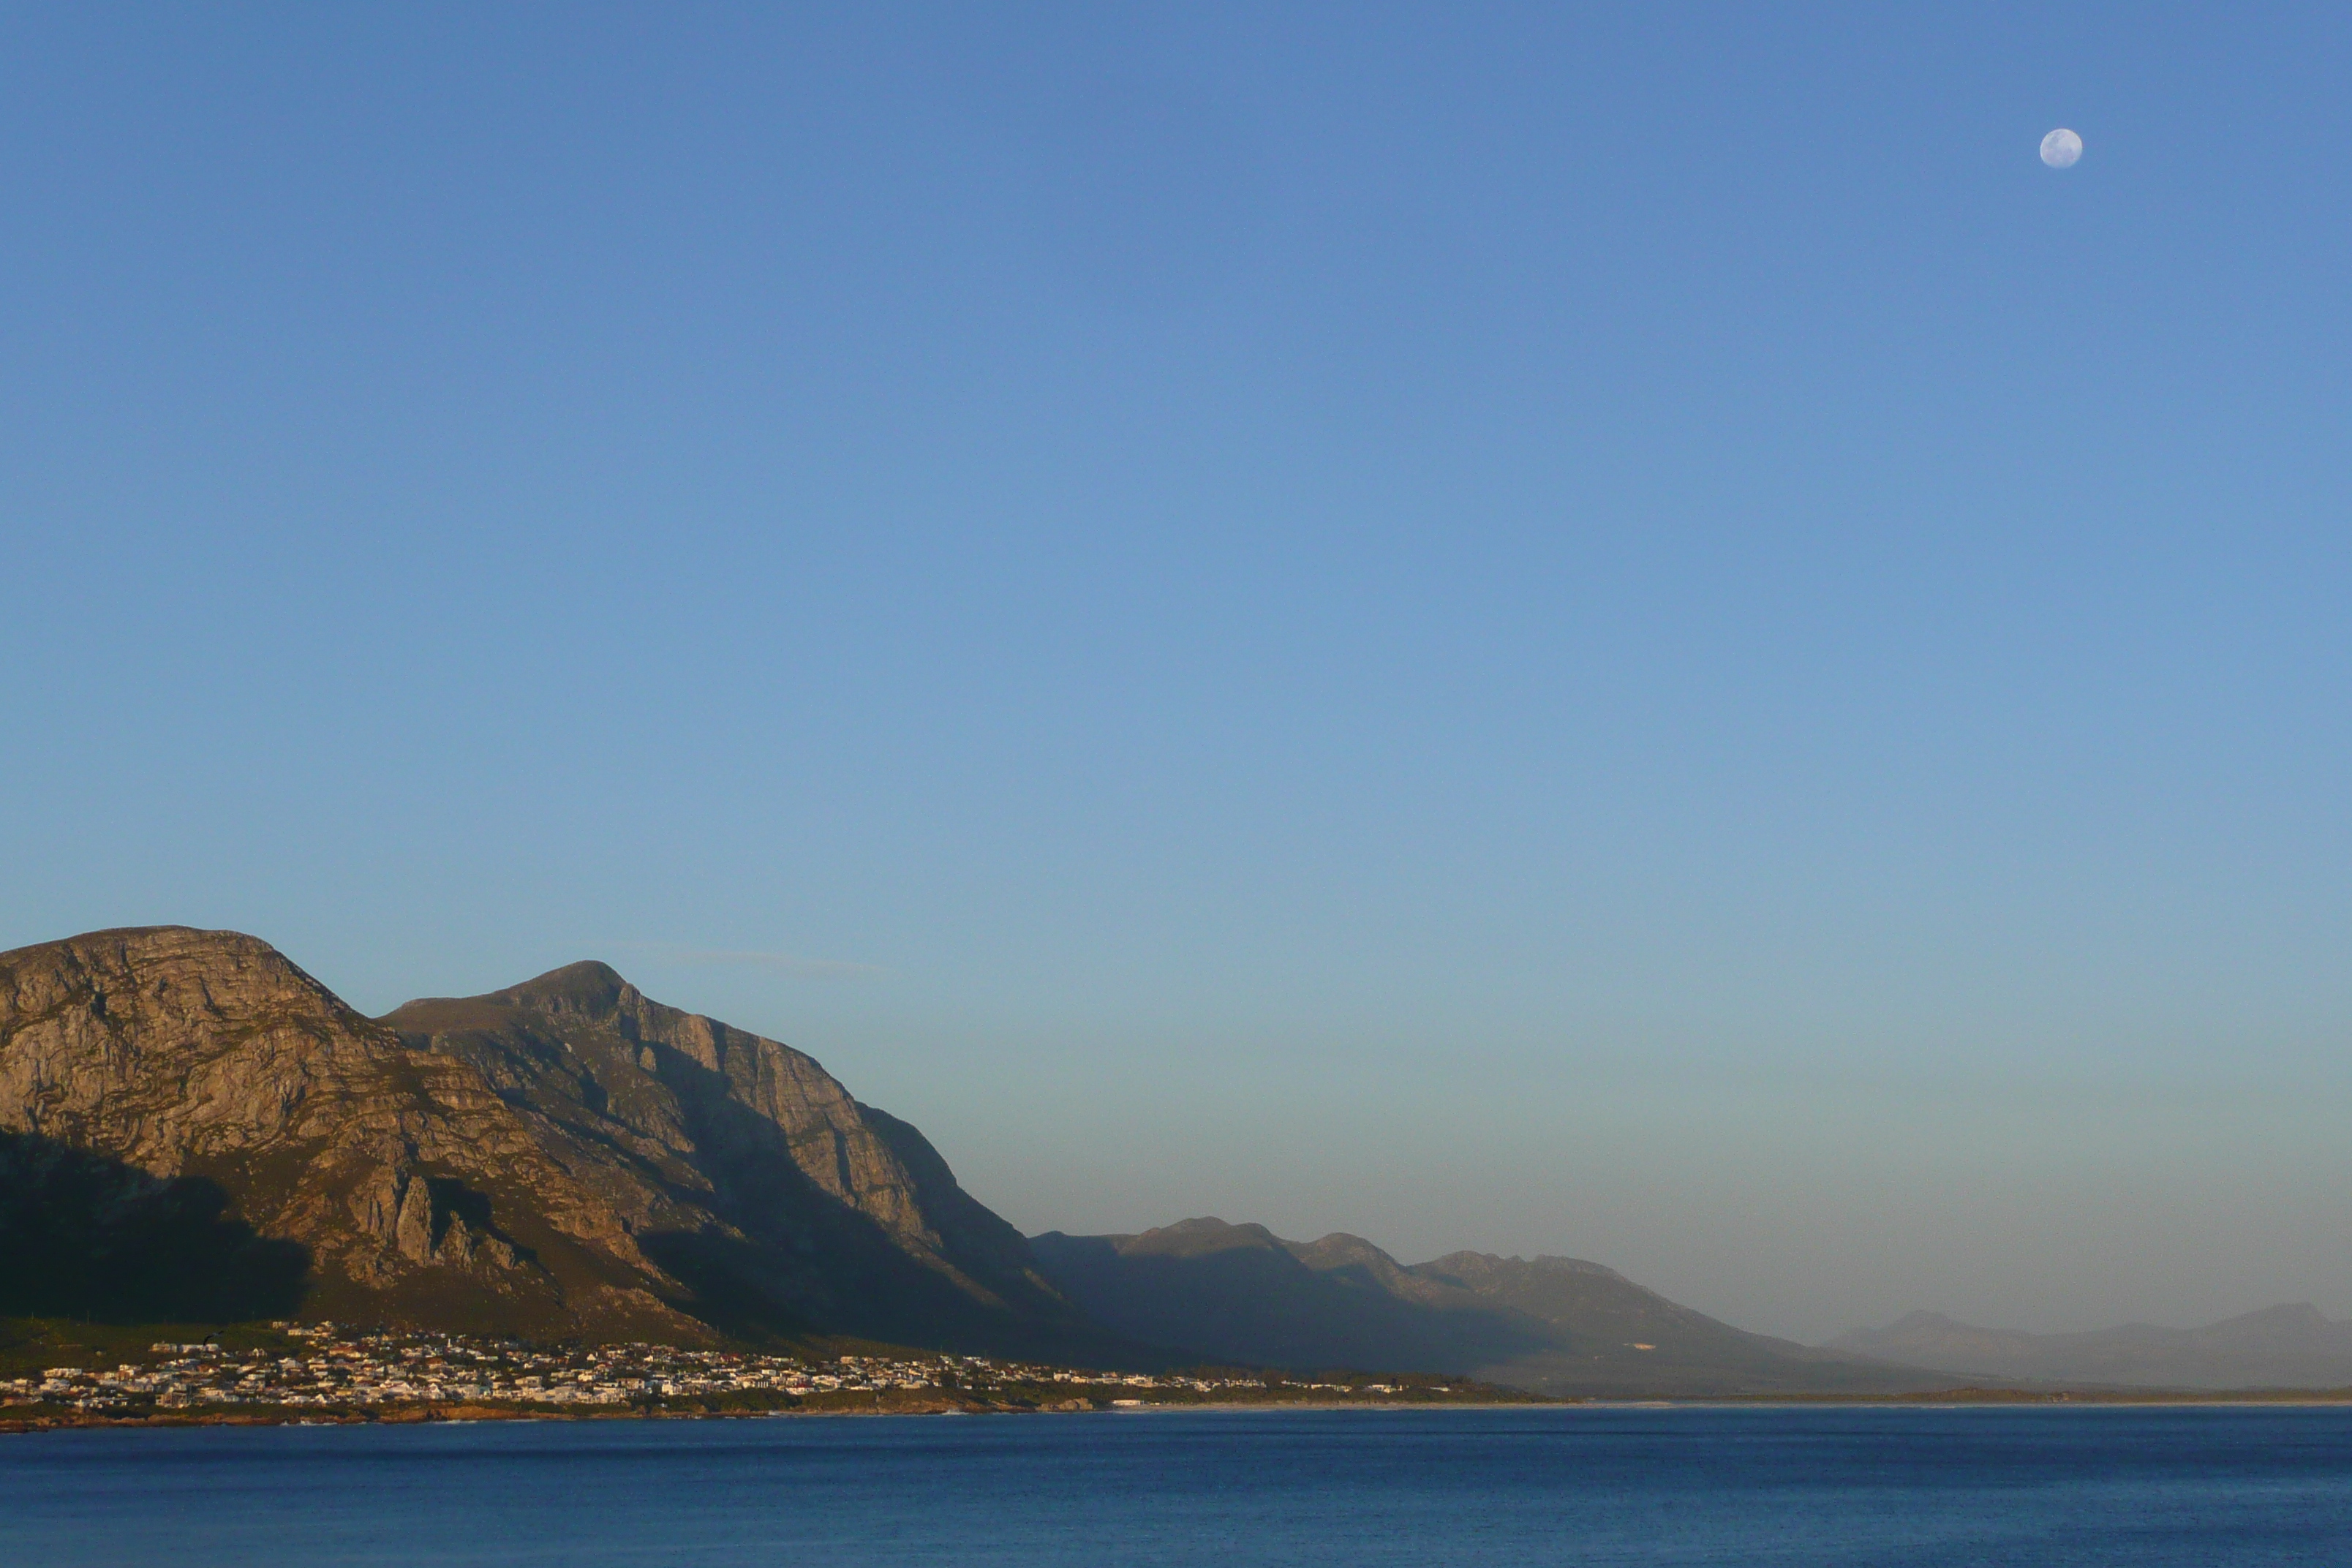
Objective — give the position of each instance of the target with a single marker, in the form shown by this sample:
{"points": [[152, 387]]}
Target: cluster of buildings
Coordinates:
{"points": [[318, 1365]]}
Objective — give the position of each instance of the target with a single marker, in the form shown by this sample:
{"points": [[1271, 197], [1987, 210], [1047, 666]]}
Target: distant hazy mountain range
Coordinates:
{"points": [[1556, 1325], [193, 1130], [2278, 1347]]}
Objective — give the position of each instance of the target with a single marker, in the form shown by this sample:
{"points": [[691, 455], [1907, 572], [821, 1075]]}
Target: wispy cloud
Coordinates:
{"points": [[798, 965]]}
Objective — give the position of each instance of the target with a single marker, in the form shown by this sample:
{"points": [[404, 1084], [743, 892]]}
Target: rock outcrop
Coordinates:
{"points": [[563, 1157]]}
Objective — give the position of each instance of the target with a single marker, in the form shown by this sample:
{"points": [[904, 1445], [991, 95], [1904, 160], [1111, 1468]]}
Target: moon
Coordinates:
{"points": [[2061, 148]]}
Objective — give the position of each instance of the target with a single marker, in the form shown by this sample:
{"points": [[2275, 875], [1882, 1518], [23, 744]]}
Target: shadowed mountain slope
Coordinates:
{"points": [[1555, 1325], [83, 1236], [564, 1157], [2277, 1347]]}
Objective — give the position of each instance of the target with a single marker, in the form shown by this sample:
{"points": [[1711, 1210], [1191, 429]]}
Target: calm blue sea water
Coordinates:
{"points": [[1983, 1487]]}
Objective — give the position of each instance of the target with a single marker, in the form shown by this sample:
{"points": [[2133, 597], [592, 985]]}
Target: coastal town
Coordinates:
{"points": [[321, 1371]]}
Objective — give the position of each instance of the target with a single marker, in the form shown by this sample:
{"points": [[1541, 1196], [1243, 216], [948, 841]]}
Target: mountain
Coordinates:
{"points": [[191, 1126], [2278, 1347], [1555, 1325]]}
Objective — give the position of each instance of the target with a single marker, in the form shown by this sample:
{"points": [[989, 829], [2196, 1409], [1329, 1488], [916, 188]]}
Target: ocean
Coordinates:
{"points": [[1984, 1487]]}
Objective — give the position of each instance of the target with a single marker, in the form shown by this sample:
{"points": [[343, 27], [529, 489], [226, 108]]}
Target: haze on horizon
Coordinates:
{"points": [[1633, 636]]}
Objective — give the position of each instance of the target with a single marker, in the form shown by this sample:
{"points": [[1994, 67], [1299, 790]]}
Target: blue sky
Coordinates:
{"points": [[1616, 632]]}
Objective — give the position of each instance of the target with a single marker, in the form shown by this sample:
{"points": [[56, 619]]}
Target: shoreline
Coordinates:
{"points": [[466, 1414], [36, 1421]]}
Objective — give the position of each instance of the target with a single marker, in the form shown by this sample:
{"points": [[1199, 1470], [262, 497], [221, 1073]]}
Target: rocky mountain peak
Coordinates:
{"points": [[179, 973], [1340, 1250], [1189, 1237], [589, 988]]}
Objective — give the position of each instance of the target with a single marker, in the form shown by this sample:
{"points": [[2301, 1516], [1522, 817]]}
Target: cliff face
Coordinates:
{"points": [[563, 1157], [749, 1171]]}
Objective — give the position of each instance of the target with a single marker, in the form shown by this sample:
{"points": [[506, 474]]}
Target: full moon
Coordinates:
{"points": [[2061, 148]]}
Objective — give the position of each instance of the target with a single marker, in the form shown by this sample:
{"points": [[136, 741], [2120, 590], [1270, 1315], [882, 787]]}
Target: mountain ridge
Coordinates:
{"points": [[1553, 1325], [2291, 1346]]}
